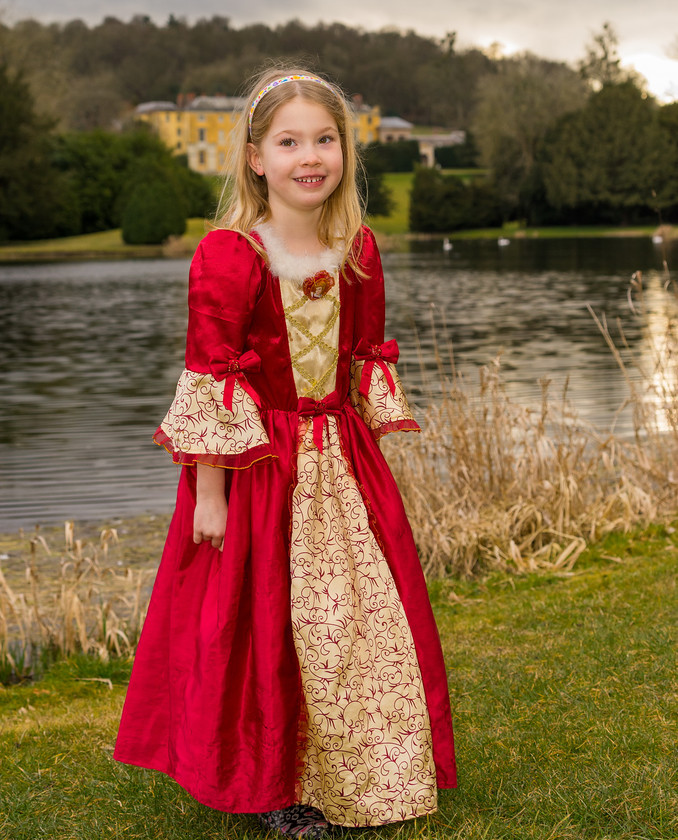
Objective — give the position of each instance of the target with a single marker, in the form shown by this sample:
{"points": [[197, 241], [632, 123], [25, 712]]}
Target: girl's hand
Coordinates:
{"points": [[211, 508], [209, 521]]}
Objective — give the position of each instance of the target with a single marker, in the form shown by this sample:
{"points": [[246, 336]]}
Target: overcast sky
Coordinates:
{"points": [[560, 29]]}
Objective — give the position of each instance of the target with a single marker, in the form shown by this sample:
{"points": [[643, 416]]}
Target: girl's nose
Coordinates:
{"points": [[310, 156]]}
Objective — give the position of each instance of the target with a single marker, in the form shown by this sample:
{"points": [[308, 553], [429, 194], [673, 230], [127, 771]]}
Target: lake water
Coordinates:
{"points": [[90, 353]]}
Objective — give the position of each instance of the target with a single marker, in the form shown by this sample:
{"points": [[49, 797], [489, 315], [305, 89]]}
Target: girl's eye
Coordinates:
{"points": [[287, 141], [326, 138]]}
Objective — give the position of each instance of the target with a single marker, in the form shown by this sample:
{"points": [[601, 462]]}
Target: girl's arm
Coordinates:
{"points": [[211, 508], [376, 390]]}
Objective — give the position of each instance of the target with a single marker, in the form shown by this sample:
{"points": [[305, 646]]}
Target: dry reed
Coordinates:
{"points": [[87, 606], [493, 484], [489, 484]]}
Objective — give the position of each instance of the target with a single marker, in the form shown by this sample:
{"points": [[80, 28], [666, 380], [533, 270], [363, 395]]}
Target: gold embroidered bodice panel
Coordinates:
{"points": [[313, 337], [312, 324]]}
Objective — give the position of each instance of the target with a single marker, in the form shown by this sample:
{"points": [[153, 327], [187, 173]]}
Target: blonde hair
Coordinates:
{"points": [[244, 197]]}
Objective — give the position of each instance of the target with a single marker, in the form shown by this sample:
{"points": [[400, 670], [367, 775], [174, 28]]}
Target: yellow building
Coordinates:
{"points": [[201, 129], [366, 119]]}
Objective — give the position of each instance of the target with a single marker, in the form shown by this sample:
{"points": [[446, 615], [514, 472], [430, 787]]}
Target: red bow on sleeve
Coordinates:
{"points": [[234, 370], [376, 354], [318, 410]]}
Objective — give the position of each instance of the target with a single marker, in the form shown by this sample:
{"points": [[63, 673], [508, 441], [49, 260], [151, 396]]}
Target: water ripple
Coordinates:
{"points": [[90, 353]]}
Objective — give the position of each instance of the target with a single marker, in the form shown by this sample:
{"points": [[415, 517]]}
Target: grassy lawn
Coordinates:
{"points": [[399, 183], [105, 244], [513, 229], [564, 692], [467, 175]]}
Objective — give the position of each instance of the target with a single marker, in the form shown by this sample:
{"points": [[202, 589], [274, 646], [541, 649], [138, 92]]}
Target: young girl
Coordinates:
{"points": [[290, 665]]}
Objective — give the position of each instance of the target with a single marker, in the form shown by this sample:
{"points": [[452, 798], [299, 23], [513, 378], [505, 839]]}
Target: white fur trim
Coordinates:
{"points": [[296, 267]]}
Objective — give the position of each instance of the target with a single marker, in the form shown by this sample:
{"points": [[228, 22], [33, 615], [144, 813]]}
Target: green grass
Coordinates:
{"points": [[564, 693], [514, 229], [398, 222], [467, 175], [107, 243]]}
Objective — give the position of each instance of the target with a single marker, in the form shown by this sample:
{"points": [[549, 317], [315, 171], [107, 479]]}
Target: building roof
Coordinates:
{"points": [[452, 138], [198, 103], [148, 107], [217, 103], [394, 123]]}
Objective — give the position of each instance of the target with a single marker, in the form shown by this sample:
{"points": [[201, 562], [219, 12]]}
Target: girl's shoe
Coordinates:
{"points": [[297, 821]]}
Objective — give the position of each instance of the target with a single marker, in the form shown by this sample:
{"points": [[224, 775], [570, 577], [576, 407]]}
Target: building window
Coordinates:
{"points": [[201, 117], [167, 117], [201, 157], [201, 135], [222, 138], [178, 132]]}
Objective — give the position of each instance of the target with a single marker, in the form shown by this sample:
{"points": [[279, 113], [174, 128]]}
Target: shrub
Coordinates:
{"points": [[442, 203], [195, 189], [401, 156], [373, 189], [460, 156], [153, 212]]}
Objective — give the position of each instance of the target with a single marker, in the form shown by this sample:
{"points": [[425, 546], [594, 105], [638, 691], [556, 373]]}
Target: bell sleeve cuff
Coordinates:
{"points": [[376, 391], [214, 419]]}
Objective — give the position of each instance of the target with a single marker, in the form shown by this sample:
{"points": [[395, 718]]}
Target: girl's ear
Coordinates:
{"points": [[254, 159]]}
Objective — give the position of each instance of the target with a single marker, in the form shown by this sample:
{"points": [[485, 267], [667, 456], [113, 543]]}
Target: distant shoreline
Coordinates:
{"points": [[108, 245]]}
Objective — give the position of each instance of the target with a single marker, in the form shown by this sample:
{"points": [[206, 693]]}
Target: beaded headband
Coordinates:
{"points": [[282, 81]]}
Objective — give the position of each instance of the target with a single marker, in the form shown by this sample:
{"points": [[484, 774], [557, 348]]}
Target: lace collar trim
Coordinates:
{"points": [[296, 268]]}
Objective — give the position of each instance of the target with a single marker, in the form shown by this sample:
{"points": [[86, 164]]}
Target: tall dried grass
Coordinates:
{"points": [[489, 484], [493, 484], [87, 606]]}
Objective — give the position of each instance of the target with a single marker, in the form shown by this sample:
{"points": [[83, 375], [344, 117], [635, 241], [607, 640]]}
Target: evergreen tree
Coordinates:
{"points": [[377, 196], [667, 192], [153, 213], [31, 197], [400, 156], [444, 203], [606, 162]]}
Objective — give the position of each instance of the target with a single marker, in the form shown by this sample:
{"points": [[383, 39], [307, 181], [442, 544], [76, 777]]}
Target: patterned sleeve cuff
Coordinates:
{"points": [[376, 390], [214, 421]]}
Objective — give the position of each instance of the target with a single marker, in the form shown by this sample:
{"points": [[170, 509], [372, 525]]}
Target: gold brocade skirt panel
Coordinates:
{"points": [[367, 756]]}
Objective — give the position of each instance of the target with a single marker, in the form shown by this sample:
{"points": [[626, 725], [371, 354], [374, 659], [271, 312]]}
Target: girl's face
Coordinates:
{"points": [[300, 156]]}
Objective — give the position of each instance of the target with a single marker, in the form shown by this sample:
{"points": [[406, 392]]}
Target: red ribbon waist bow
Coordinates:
{"points": [[376, 354], [318, 410], [234, 370]]}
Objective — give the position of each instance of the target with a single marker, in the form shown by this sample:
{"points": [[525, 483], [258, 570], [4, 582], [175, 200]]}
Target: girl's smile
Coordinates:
{"points": [[301, 157]]}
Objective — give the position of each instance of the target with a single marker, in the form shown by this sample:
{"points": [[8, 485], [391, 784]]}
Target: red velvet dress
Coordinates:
{"points": [[255, 682]]}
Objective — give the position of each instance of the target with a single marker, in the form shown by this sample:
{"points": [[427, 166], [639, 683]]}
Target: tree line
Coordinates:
{"points": [[611, 160], [86, 77], [560, 144]]}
